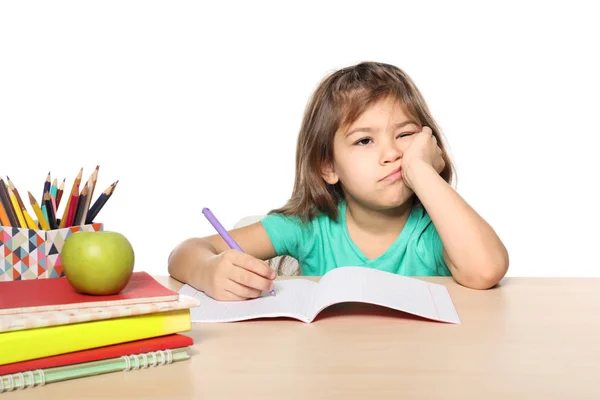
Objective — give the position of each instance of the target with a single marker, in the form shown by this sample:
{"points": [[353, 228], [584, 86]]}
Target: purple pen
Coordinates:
{"points": [[224, 234]]}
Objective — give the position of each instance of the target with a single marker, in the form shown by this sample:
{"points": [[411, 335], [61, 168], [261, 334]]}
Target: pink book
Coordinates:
{"points": [[32, 295], [39, 319]]}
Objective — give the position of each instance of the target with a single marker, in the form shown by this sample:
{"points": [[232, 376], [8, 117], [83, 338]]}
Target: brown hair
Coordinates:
{"points": [[337, 102]]}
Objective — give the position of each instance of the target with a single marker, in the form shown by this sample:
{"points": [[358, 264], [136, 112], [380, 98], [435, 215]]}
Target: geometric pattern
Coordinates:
{"points": [[32, 254]]}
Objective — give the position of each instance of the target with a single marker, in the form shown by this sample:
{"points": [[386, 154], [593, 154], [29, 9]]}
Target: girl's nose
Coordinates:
{"points": [[390, 153]]}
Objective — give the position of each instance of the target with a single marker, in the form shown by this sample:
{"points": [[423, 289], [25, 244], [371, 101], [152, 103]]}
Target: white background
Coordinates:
{"points": [[198, 104]]}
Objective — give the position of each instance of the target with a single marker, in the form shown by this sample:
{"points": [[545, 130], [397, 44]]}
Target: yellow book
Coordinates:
{"points": [[29, 344]]}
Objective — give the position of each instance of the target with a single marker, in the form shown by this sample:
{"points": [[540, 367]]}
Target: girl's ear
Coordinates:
{"points": [[328, 174]]}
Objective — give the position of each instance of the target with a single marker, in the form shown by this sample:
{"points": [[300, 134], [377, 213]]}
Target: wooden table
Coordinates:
{"points": [[528, 338]]}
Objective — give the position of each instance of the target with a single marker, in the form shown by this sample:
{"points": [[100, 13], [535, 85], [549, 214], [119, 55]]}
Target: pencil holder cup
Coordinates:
{"points": [[35, 254]]}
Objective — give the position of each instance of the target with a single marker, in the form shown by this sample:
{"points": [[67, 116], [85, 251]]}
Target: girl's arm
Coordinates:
{"points": [[475, 255], [209, 265]]}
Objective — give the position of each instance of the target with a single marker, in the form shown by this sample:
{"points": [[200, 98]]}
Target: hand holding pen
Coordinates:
{"points": [[237, 275]]}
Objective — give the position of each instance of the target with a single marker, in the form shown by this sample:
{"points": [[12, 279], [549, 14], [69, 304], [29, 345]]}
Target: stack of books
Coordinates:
{"points": [[50, 333]]}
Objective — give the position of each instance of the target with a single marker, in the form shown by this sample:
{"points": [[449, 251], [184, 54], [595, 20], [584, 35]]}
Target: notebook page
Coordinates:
{"points": [[294, 298], [411, 295]]}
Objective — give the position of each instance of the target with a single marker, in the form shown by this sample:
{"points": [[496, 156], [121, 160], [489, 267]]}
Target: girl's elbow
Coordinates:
{"points": [[492, 275], [486, 274], [494, 271]]}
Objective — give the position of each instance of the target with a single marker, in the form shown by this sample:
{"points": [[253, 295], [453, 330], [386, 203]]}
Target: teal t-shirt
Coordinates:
{"points": [[324, 244]]}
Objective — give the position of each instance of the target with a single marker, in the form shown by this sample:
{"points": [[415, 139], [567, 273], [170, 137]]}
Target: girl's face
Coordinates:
{"points": [[367, 155]]}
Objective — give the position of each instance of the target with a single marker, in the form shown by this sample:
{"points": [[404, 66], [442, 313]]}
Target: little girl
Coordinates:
{"points": [[371, 189]]}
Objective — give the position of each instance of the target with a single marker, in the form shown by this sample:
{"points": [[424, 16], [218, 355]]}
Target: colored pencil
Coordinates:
{"points": [[86, 206], [223, 233], [74, 192], [44, 209], [72, 208], [53, 187], [81, 205], [51, 215], [100, 202], [59, 192], [14, 222], [38, 212], [53, 190], [17, 208], [47, 184], [18, 211], [30, 222], [93, 179], [46, 190], [16, 192], [4, 216], [114, 187], [53, 201], [80, 208]]}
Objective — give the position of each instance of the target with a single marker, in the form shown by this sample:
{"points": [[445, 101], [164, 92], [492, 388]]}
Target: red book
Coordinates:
{"points": [[171, 341], [31, 295]]}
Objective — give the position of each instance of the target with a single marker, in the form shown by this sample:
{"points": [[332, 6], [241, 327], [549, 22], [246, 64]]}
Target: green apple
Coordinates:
{"points": [[97, 263]]}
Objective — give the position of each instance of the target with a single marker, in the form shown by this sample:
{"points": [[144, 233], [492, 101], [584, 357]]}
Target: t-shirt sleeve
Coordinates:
{"points": [[430, 249], [285, 233]]}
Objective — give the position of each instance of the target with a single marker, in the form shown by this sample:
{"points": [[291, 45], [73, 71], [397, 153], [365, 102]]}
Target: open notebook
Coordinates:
{"points": [[303, 299]]}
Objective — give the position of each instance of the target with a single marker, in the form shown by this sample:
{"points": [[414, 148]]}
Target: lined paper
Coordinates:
{"points": [[303, 299]]}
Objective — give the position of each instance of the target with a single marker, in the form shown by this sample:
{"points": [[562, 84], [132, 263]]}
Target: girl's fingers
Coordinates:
{"points": [[228, 296], [241, 291]]}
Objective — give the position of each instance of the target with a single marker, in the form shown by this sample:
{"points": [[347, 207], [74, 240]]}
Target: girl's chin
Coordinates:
{"points": [[392, 196], [399, 199]]}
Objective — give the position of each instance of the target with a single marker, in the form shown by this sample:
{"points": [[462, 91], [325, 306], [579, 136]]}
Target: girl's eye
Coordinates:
{"points": [[406, 134], [363, 142]]}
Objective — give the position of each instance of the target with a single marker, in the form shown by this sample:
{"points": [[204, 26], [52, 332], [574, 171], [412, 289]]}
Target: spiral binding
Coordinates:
{"points": [[17, 381], [137, 361], [132, 362]]}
